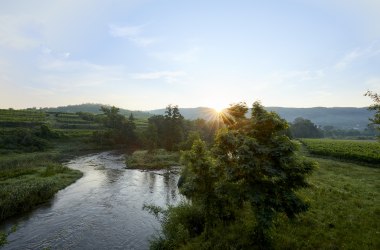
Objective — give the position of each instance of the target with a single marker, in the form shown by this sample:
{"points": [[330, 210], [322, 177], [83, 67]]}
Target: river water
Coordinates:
{"points": [[102, 210]]}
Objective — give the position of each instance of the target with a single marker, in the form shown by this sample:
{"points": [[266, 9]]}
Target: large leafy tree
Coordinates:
{"points": [[252, 163], [261, 162], [167, 130], [304, 128], [119, 129]]}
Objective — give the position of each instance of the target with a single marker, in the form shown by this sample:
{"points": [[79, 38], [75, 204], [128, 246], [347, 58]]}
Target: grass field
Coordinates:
{"points": [[344, 210], [360, 151]]}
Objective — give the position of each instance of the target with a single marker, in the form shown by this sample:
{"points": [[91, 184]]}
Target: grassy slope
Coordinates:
{"points": [[344, 210]]}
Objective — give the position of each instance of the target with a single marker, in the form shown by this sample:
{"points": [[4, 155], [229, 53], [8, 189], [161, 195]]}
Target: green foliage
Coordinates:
{"points": [[252, 172], [119, 130], [154, 159], [303, 128], [30, 183], [376, 107], [165, 131], [259, 161], [362, 151], [26, 139], [179, 224]]}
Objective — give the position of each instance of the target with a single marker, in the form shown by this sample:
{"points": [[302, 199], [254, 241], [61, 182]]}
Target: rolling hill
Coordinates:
{"points": [[339, 117]]}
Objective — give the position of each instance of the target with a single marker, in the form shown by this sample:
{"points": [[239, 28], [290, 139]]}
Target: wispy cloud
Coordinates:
{"points": [[358, 54], [168, 76], [132, 33]]}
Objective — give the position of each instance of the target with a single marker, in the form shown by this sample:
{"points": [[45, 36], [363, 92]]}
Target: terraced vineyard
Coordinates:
{"points": [[21, 118], [363, 151]]}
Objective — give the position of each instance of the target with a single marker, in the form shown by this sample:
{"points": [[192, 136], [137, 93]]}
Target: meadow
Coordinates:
{"points": [[355, 150], [344, 210]]}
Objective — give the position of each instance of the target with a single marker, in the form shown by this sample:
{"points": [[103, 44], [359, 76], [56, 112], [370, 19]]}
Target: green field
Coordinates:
{"points": [[344, 210], [355, 150]]}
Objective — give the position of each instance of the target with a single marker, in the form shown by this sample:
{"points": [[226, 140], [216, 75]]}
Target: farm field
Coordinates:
{"points": [[355, 150]]}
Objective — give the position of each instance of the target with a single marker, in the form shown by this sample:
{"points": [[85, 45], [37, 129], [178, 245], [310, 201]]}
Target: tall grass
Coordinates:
{"points": [[156, 159], [344, 210], [31, 184]]}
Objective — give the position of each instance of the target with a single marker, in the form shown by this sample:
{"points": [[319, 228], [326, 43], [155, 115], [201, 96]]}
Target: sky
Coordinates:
{"points": [[146, 54]]}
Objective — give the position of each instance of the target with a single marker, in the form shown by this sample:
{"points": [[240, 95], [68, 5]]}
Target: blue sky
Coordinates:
{"points": [[147, 54]]}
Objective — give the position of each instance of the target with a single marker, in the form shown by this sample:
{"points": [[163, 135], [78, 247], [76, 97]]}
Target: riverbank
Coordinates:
{"points": [[29, 179], [152, 160]]}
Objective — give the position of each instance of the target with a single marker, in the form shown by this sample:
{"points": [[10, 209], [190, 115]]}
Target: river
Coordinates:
{"points": [[102, 210]]}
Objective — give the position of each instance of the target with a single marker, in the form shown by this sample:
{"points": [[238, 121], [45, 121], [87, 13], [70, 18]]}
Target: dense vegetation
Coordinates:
{"points": [[33, 145], [375, 107], [154, 159], [363, 151], [237, 188], [33, 180]]}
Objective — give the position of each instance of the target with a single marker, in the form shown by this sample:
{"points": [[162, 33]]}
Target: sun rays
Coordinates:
{"points": [[218, 117]]}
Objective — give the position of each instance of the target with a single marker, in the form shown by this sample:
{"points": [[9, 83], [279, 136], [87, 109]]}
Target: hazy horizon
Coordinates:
{"points": [[143, 55], [194, 107]]}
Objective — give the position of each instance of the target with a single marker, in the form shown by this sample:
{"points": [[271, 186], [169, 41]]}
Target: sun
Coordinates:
{"points": [[219, 109]]}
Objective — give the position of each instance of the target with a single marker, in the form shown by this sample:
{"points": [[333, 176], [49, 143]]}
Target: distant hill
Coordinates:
{"points": [[341, 118], [95, 109]]}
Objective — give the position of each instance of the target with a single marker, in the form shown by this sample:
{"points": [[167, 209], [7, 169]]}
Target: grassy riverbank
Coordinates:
{"points": [[29, 179], [149, 160]]}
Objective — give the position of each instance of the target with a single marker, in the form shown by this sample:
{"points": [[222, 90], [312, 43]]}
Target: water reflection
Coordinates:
{"points": [[102, 210]]}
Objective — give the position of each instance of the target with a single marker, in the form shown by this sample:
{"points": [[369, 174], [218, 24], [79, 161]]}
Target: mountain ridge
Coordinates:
{"points": [[339, 117]]}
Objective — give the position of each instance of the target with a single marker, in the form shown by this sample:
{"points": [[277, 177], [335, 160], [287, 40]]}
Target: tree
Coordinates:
{"points": [[119, 130], [112, 118], [168, 130], [252, 162], [376, 107], [260, 161], [303, 128]]}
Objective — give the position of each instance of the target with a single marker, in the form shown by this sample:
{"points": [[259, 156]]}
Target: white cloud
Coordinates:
{"points": [[132, 33], [358, 54], [168, 76]]}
